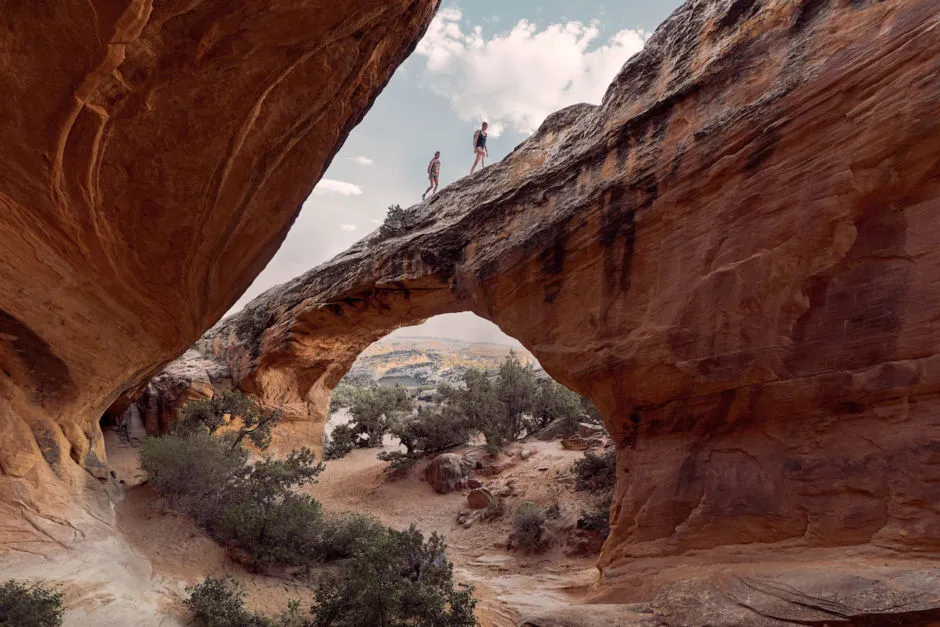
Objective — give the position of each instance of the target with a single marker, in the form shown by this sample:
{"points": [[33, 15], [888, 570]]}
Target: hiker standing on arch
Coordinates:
{"points": [[479, 148], [434, 174]]}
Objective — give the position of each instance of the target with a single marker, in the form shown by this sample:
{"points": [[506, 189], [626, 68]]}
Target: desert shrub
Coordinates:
{"points": [[399, 464], [192, 473], [262, 514], [253, 507], [528, 529], [554, 401], [374, 410], [339, 533], [342, 441], [220, 602], [495, 510], [596, 472], [344, 394], [238, 415], [30, 605], [284, 533], [432, 430], [397, 221], [596, 517], [498, 407], [515, 389], [394, 578]]}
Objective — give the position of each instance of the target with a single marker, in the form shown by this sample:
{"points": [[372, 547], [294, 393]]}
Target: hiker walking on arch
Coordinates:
{"points": [[479, 148], [434, 174]]}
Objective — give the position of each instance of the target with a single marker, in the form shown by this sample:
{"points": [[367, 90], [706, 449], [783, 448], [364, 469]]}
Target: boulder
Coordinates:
{"points": [[447, 473], [473, 484], [588, 430], [556, 429], [480, 498]]}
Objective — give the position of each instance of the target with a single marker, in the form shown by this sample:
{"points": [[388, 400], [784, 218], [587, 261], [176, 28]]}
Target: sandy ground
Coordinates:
{"points": [[506, 583], [136, 572]]}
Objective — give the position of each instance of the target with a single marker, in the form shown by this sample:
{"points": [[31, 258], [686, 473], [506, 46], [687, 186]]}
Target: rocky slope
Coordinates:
{"points": [[155, 155], [735, 257]]}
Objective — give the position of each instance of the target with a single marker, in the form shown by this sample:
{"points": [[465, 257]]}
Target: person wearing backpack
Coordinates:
{"points": [[479, 148]]}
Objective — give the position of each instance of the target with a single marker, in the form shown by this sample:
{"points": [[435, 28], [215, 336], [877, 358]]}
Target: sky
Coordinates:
{"points": [[509, 63]]}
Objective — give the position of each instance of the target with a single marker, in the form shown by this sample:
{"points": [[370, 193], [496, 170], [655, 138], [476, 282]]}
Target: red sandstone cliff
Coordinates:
{"points": [[736, 257], [154, 156]]}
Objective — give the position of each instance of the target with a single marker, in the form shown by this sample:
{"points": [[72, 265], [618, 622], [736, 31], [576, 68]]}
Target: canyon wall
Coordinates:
{"points": [[735, 256], [155, 155]]}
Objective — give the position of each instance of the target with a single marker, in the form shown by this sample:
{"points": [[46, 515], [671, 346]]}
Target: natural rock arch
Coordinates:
{"points": [[155, 155], [732, 256]]}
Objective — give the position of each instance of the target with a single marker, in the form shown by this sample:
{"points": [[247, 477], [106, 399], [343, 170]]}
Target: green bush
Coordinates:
{"points": [[193, 473], [342, 442], [220, 602], [596, 472], [597, 516], [399, 464], [253, 507], [33, 605], [245, 415], [554, 401], [528, 529], [431, 430], [339, 533], [395, 578], [262, 514], [374, 410]]}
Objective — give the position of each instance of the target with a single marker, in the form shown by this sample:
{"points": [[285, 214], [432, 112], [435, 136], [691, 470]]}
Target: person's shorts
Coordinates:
{"points": [[433, 178]]}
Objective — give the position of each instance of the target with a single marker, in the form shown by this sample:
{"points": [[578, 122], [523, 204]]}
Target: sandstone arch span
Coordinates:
{"points": [[734, 256], [155, 154]]}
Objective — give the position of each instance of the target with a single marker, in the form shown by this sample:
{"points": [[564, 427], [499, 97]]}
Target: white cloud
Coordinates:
{"points": [[363, 160], [517, 79], [348, 227], [337, 187]]}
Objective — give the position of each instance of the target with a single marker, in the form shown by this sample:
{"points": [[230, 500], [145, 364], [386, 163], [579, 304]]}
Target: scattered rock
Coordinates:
{"points": [[473, 484], [526, 453], [584, 543], [466, 519], [587, 430], [448, 472], [574, 443], [560, 428], [480, 498], [577, 443]]}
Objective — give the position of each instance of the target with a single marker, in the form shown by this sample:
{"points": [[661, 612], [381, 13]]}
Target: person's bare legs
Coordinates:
{"points": [[430, 187], [480, 156], [436, 181]]}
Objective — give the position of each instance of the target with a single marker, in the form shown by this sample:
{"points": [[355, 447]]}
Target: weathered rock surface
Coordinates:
{"points": [[189, 378], [736, 257], [479, 498], [155, 155], [447, 472]]}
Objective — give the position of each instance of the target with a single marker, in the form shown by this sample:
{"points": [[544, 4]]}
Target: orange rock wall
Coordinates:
{"points": [[155, 155], [736, 257]]}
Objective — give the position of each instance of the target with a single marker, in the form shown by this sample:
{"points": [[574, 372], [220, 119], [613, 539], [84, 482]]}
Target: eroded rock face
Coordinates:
{"points": [[155, 155], [736, 257], [191, 377]]}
